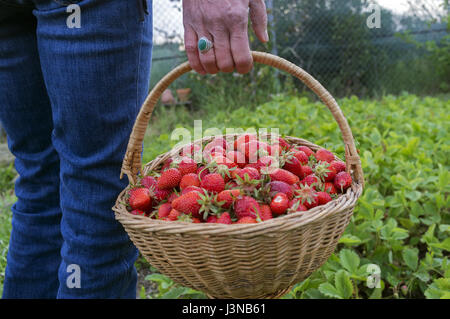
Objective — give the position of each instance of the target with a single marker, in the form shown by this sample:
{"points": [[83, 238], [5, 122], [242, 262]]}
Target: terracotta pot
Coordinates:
{"points": [[167, 98], [183, 94]]}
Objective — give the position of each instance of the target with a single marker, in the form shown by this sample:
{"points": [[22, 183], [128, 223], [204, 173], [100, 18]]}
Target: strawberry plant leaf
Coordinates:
{"points": [[349, 260], [343, 284], [410, 257], [329, 290]]}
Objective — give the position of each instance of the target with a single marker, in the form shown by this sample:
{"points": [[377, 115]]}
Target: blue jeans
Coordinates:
{"points": [[69, 95]]}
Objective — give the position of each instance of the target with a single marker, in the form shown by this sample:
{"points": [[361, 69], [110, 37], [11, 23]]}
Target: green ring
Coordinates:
{"points": [[204, 45]]}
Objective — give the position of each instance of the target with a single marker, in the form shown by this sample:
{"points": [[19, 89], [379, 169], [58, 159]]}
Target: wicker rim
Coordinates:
{"points": [[284, 223], [132, 164]]}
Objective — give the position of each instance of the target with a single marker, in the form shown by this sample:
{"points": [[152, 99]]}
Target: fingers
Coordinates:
{"points": [[240, 48], [258, 17], [208, 59], [190, 45], [222, 50]]}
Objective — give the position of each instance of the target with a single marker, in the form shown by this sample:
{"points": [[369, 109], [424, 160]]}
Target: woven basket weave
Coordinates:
{"points": [[261, 260]]}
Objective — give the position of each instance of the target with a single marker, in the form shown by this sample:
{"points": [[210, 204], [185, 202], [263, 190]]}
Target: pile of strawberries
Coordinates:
{"points": [[244, 181]]}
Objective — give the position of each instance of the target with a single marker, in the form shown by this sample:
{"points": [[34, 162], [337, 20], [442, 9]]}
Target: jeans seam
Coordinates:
{"points": [[139, 68]]}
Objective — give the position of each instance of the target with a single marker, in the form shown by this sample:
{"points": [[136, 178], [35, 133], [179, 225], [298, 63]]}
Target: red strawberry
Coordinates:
{"points": [[167, 164], [306, 150], [280, 187], [172, 197], [247, 220], [196, 220], [342, 181], [213, 183], [293, 165], [251, 172], [245, 138], [190, 179], [246, 206], [188, 203], [324, 155], [159, 194], [275, 150], [237, 157], [325, 172], [279, 204], [173, 215], [283, 144], [224, 219], [338, 166], [295, 205], [202, 171], [250, 150], [192, 189], [310, 180], [137, 212], [164, 210], [265, 212], [170, 178], [187, 165], [329, 188], [323, 198], [148, 181], [268, 162], [306, 170], [307, 196], [139, 198], [302, 157], [190, 149], [228, 197], [282, 175], [211, 219]]}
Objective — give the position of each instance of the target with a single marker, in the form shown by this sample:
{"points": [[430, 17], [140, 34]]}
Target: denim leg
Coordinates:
{"points": [[34, 250], [97, 77]]}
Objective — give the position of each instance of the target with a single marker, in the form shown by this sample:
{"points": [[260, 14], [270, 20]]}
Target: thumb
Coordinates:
{"points": [[258, 16]]}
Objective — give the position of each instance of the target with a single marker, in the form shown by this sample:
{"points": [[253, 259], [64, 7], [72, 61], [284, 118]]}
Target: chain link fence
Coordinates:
{"points": [[351, 46]]}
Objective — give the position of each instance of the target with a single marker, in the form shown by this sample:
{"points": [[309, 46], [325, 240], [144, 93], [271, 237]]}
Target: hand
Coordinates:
{"points": [[224, 23]]}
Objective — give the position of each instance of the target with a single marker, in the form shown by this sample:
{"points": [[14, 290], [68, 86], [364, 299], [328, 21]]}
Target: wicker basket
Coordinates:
{"points": [[261, 260]]}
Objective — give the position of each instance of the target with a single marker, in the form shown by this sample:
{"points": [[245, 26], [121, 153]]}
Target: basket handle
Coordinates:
{"points": [[131, 164]]}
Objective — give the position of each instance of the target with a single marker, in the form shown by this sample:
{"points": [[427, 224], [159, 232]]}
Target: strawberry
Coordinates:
{"points": [[307, 196], [244, 138], [167, 164], [169, 178], [329, 188], [265, 212], [283, 175], [246, 206], [148, 181], [251, 172], [323, 198], [283, 144], [190, 179], [306, 170], [211, 219], [224, 219], [213, 183], [275, 149], [202, 171], [190, 149], [227, 197], [172, 197], [139, 198], [160, 194], [267, 162], [280, 187], [196, 220], [164, 210], [342, 181], [192, 189], [137, 212], [237, 157], [306, 150], [324, 155], [302, 157], [187, 166], [188, 203], [173, 215], [210, 152], [295, 205], [293, 165], [247, 220], [310, 180], [325, 172], [338, 166], [279, 204]]}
